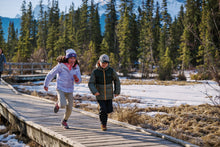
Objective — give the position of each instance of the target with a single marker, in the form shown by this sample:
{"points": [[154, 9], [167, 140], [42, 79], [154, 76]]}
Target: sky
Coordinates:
{"points": [[10, 8]]}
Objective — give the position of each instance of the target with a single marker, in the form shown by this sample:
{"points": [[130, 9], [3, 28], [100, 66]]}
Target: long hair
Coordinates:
{"points": [[63, 59], [2, 50]]}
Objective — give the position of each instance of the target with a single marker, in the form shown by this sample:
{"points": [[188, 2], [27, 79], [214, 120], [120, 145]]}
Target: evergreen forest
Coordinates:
{"points": [[149, 41]]}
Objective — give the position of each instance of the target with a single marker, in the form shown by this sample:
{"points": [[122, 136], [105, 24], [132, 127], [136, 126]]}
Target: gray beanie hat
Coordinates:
{"points": [[104, 58]]}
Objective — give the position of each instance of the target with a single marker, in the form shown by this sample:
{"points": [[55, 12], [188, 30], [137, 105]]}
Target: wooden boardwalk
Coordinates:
{"points": [[35, 117]]}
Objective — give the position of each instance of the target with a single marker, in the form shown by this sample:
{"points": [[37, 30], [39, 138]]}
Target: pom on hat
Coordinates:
{"points": [[104, 58], [70, 53]]}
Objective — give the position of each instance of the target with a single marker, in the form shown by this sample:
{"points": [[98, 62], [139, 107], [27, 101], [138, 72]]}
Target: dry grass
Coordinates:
{"points": [[148, 82], [155, 82], [199, 125]]}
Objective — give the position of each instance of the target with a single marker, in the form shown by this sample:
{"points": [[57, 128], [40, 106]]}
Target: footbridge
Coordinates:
{"points": [[34, 117]]}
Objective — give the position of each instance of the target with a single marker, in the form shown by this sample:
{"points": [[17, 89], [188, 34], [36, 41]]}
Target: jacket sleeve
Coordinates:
{"points": [[78, 74], [52, 74], [4, 58], [92, 83], [117, 84]]}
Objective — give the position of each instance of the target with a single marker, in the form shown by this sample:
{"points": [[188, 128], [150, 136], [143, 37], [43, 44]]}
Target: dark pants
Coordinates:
{"points": [[0, 75], [105, 108]]}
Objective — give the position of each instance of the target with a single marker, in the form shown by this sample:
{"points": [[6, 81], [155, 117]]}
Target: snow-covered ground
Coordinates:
{"points": [[9, 139], [150, 95]]}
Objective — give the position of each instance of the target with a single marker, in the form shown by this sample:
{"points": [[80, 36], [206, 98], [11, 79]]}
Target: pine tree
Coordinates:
{"points": [[175, 37], [203, 29], [146, 39], [156, 33], [184, 52], [40, 40], [23, 20], [191, 23], [114, 61], [110, 28], [53, 31], [134, 40], [179, 28], [11, 42], [209, 39], [165, 69], [71, 26], [124, 39], [94, 26], [82, 32], [89, 58], [40, 53], [26, 43], [63, 41], [2, 40], [104, 47], [51, 40], [164, 33]]}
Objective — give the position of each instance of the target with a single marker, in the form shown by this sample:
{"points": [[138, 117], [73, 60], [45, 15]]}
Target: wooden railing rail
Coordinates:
{"points": [[25, 66]]}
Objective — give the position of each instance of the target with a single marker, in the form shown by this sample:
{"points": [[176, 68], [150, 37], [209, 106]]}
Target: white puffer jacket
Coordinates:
{"points": [[65, 79]]}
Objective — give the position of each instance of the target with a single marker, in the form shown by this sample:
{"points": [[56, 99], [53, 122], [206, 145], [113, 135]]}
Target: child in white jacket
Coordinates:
{"points": [[68, 72]]}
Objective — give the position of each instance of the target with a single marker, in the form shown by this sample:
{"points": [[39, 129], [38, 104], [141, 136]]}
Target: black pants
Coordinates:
{"points": [[105, 108]]}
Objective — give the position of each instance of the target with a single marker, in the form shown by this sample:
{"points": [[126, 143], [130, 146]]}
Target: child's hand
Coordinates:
{"points": [[116, 95], [45, 88], [76, 78], [97, 93]]}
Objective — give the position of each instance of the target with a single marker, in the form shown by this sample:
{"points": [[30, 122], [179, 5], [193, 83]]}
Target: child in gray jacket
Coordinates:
{"points": [[104, 83], [68, 72]]}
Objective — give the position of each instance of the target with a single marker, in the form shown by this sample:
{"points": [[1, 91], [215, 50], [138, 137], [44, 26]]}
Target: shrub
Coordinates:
{"points": [[200, 76], [181, 77], [165, 69]]}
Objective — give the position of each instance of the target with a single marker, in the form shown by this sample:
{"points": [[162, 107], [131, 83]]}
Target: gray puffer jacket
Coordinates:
{"points": [[106, 82]]}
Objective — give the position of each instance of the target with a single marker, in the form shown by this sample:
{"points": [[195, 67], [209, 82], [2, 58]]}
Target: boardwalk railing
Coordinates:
{"points": [[25, 66]]}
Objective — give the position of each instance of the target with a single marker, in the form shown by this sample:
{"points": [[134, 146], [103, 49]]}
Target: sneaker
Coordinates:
{"points": [[65, 125], [56, 108], [103, 127]]}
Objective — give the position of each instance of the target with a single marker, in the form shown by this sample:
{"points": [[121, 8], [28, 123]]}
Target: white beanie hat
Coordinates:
{"points": [[70, 53]]}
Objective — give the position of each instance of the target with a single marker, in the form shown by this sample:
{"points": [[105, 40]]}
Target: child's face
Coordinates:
{"points": [[104, 64], [72, 60]]}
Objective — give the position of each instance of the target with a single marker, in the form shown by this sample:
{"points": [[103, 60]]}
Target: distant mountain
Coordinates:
{"points": [[173, 6], [36, 11], [5, 24]]}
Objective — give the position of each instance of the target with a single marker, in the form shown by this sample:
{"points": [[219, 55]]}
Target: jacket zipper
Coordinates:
{"points": [[104, 84]]}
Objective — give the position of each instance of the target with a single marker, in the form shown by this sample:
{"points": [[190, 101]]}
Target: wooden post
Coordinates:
{"points": [[41, 68], [10, 71], [21, 68], [32, 69]]}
